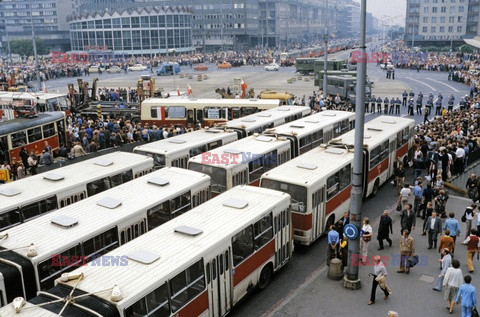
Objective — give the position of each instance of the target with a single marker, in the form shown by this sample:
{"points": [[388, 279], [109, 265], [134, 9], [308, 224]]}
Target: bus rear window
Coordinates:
{"points": [[218, 175]]}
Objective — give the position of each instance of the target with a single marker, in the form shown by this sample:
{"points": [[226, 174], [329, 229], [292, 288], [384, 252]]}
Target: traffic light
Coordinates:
{"points": [[99, 112]]}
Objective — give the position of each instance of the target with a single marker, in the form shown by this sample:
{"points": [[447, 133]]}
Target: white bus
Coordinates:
{"points": [[309, 132], [319, 181], [259, 122], [37, 252], [189, 111], [38, 194], [177, 150], [200, 264], [241, 162], [44, 102]]}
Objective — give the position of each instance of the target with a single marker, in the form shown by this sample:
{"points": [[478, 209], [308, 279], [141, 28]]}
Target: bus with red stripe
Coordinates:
{"points": [[190, 111], [199, 264], [319, 181], [32, 133]]}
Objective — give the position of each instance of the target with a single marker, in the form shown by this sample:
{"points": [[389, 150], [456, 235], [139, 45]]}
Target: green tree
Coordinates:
{"points": [[25, 47]]}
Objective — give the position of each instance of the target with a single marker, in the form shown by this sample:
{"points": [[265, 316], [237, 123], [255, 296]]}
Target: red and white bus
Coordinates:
{"points": [[207, 112], [319, 181], [200, 263], [13, 102], [32, 133]]}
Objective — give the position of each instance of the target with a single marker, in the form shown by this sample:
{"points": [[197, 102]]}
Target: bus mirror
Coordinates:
{"points": [[298, 207]]}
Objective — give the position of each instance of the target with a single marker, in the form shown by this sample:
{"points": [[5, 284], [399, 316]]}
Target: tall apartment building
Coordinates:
{"points": [[47, 17], [441, 22]]}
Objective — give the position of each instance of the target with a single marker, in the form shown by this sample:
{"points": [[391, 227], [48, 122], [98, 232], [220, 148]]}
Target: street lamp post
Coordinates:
{"points": [[351, 279], [37, 71], [325, 53]]}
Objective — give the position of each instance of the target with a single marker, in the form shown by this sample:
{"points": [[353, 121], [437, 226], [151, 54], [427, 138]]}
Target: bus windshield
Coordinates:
{"points": [[218, 175], [297, 193]]}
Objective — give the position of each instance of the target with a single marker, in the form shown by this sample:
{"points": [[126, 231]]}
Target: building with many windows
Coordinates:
{"points": [[240, 24], [441, 22], [47, 17], [139, 31]]}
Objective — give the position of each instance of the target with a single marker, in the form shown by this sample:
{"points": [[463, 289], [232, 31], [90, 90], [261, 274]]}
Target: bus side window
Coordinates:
{"points": [[263, 231], [242, 245], [186, 285]]}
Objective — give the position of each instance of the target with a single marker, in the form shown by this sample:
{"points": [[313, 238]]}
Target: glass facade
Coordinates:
{"points": [[138, 32]]}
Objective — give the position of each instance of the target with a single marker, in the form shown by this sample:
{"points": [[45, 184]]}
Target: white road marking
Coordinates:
{"points": [[439, 82], [420, 82]]}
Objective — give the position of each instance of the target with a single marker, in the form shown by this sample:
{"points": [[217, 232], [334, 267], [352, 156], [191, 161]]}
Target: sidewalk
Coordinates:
{"points": [[412, 294]]}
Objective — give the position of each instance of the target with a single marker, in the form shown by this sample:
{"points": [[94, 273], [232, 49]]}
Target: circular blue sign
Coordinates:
{"points": [[350, 231]]}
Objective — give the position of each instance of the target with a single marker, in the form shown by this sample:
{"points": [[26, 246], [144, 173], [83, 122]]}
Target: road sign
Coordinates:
{"points": [[350, 231]]}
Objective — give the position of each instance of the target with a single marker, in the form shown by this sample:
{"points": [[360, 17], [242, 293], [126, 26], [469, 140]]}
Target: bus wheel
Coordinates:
{"points": [[330, 222], [375, 187], [265, 277]]}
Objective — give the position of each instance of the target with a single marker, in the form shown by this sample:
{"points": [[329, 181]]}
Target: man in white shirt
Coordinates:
{"points": [[460, 155]]}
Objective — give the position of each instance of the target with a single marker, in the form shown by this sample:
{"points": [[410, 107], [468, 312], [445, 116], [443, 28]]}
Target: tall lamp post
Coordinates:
{"points": [[37, 71], [325, 52], [351, 279]]}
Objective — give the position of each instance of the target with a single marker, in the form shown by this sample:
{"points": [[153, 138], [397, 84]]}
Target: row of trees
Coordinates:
{"points": [[24, 47]]}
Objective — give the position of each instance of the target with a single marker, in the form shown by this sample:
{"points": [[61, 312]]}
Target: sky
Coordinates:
{"points": [[392, 8]]}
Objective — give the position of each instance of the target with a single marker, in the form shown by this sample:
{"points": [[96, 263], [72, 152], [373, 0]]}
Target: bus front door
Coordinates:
{"points": [[190, 117], [199, 116], [318, 214], [220, 284]]}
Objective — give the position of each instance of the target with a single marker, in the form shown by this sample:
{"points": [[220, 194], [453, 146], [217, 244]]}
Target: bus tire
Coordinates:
{"points": [[265, 276], [375, 188], [330, 221]]}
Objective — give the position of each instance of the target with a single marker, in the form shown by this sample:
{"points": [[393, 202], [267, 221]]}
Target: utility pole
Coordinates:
{"points": [[325, 53], [351, 279], [166, 31], [37, 71]]}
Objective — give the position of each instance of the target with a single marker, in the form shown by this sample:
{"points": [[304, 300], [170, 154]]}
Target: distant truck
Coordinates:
{"points": [[345, 87], [168, 69]]}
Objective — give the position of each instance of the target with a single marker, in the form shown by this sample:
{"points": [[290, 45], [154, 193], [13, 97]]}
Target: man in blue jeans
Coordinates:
{"points": [[468, 294]]}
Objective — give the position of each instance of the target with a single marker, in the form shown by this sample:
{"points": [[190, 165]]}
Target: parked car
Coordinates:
{"points": [[272, 66], [201, 67], [224, 65], [137, 67], [96, 69], [114, 70]]}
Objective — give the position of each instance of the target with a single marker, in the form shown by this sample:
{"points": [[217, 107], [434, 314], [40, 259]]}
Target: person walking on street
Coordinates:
{"points": [[468, 294], [399, 173], [385, 228], [408, 219], [452, 224], [445, 263], [446, 242], [418, 196], [428, 213], [452, 281], [404, 195], [433, 227], [468, 217], [379, 278], [333, 241], [366, 234], [407, 250], [473, 245], [471, 188]]}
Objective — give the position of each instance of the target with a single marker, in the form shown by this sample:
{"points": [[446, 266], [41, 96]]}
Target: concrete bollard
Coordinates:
{"points": [[335, 269]]}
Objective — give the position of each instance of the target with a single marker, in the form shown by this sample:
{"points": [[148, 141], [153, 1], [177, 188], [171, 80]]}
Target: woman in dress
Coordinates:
{"points": [[452, 281]]}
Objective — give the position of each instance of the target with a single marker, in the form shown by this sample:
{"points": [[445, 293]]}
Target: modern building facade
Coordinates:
{"points": [[47, 17], [140, 31], [441, 22], [241, 24], [352, 19]]}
